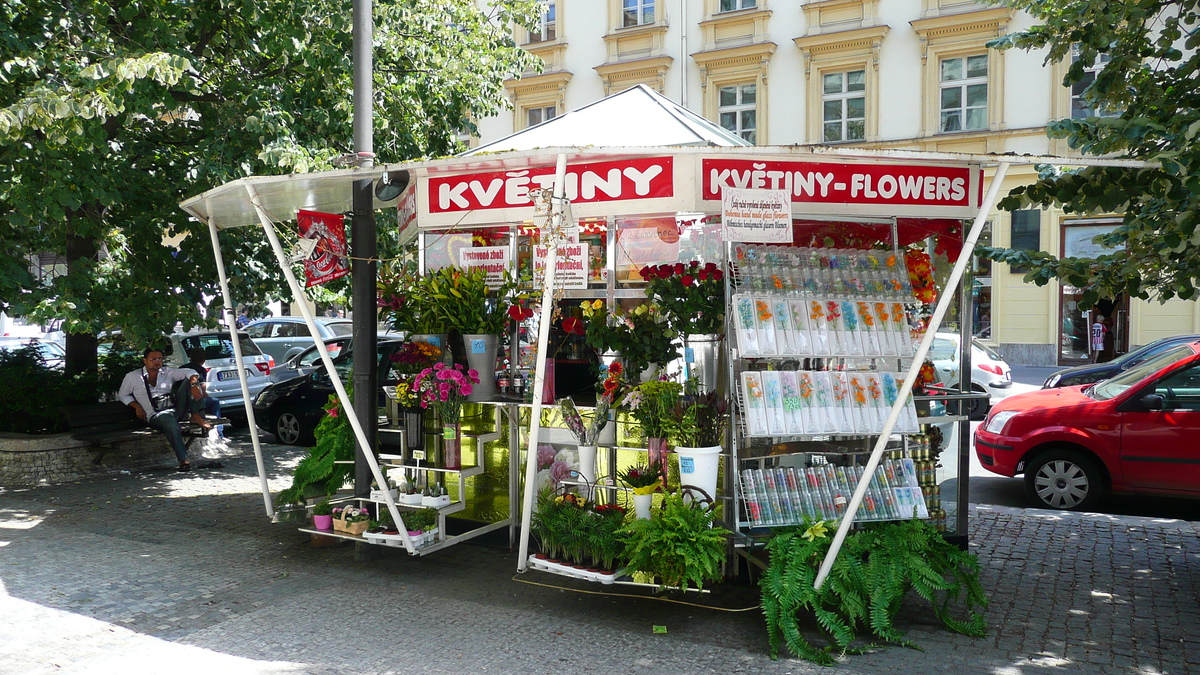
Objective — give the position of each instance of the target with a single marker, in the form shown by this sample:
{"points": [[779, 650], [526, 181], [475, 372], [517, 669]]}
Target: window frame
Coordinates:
{"points": [[721, 10], [963, 84], [740, 107], [540, 108], [639, 8], [540, 37], [843, 97]]}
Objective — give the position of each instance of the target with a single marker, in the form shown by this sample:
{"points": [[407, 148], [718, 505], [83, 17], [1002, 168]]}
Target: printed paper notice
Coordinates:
{"points": [[571, 270], [493, 259], [761, 216]]}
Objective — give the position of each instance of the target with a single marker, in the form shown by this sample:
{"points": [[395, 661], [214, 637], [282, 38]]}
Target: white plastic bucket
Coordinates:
{"points": [[698, 468]]}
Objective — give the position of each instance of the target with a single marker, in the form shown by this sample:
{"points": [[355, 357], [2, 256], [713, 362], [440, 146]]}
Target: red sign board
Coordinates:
{"points": [[634, 178], [328, 259], [833, 183]]}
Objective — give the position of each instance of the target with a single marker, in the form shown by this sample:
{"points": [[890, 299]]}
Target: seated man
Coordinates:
{"points": [[195, 398], [148, 391]]}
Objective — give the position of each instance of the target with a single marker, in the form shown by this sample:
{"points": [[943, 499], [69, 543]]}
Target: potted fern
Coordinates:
{"points": [[678, 546]]}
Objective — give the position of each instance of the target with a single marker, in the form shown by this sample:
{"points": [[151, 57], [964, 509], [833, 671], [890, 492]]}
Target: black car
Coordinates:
{"points": [[1094, 372], [290, 410]]}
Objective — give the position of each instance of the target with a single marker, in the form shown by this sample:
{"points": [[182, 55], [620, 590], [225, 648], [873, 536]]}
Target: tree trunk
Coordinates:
{"points": [[80, 348]]}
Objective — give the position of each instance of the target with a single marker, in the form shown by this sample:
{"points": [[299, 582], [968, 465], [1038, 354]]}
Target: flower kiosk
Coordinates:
{"points": [[705, 350]]}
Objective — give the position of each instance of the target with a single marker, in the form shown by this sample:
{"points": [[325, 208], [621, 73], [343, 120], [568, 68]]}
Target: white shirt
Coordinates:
{"points": [[133, 387]]}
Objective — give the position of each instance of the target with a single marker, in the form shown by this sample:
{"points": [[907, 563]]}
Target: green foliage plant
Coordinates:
{"points": [[875, 569], [1141, 57], [699, 420], [318, 471], [653, 404], [679, 545], [32, 394], [420, 520], [641, 336], [323, 508]]}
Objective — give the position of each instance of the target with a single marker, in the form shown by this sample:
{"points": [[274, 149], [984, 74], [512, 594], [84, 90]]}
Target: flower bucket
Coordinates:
{"points": [[481, 355], [641, 505], [701, 360], [587, 468], [698, 468], [323, 522]]}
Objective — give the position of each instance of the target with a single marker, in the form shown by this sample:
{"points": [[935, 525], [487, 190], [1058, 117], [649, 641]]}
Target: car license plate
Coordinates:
{"points": [[226, 375]]}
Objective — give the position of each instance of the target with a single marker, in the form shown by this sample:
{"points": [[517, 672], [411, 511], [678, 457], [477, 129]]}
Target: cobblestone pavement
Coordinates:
{"points": [[159, 572]]}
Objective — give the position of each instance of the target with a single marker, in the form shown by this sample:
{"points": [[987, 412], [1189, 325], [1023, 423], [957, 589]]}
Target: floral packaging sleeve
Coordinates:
{"points": [[764, 315], [851, 419], [829, 416], [747, 330], [852, 328], [872, 345], [801, 340], [792, 403], [784, 332], [755, 398], [819, 328], [837, 333], [902, 329], [776, 422], [887, 341], [875, 398], [864, 412]]}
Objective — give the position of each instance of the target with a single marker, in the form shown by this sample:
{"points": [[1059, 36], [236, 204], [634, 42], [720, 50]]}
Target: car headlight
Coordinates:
{"points": [[1052, 381], [996, 422]]}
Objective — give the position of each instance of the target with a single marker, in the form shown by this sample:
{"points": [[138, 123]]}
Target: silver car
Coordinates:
{"points": [[51, 352], [222, 380], [283, 337]]}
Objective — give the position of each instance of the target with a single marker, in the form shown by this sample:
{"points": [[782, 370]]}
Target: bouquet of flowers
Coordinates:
{"points": [[642, 479], [414, 357], [444, 388], [652, 404], [691, 295], [586, 434], [641, 336]]}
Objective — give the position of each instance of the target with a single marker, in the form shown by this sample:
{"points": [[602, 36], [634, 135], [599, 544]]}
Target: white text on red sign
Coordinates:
{"points": [[843, 183]]}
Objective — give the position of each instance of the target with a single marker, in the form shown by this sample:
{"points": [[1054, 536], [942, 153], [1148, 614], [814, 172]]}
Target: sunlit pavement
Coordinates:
{"points": [[161, 572]]}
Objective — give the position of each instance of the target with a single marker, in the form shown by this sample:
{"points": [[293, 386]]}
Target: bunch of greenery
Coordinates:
{"points": [[465, 302], [874, 570], [323, 508], [405, 302], [318, 472], [573, 529], [678, 546], [653, 404], [691, 295], [31, 393], [642, 479], [640, 336], [699, 420], [421, 520]]}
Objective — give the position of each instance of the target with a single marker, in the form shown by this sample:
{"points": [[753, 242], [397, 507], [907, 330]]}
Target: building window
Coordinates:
{"points": [[1081, 107], [547, 24], [734, 5], [844, 104], [1025, 234], [964, 93], [737, 109], [637, 12], [535, 116]]}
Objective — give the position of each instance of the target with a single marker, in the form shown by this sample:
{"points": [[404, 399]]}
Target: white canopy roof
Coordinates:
{"points": [[638, 116]]}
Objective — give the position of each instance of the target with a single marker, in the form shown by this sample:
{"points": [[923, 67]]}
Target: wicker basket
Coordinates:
{"points": [[350, 528]]}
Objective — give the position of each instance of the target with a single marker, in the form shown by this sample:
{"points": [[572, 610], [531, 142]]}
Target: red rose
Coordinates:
{"points": [[647, 272], [703, 275], [717, 275], [687, 280], [695, 264], [679, 268], [710, 267], [665, 271]]}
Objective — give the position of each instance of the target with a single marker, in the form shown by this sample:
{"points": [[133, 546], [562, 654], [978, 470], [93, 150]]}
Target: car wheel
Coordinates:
{"points": [[1063, 479], [289, 429], [977, 409]]}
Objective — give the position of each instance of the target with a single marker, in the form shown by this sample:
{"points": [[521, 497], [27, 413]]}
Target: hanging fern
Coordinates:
{"points": [[317, 471], [875, 569]]}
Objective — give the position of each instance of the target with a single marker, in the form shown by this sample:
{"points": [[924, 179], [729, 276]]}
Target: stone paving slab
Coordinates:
{"points": [[159, 572]]}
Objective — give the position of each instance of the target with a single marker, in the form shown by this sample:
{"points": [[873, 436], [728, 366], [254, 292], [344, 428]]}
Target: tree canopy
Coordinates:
{"points": [[1147, 49], [113, 111]]}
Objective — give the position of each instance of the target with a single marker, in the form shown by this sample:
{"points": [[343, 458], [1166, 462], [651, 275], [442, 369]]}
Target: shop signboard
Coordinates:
{"points": [[571, 268], [763, 216], [630, 178], [493, 259]]}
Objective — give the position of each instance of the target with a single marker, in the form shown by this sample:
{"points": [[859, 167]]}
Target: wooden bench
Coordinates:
{"points": [[103, 425]]}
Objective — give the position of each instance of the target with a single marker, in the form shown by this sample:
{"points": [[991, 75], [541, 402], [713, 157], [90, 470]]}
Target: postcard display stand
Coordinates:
{"points": [[820, 342]]}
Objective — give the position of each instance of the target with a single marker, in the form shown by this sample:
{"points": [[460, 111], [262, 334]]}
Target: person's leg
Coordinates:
{"points": [[214, 408], [165, 422]]}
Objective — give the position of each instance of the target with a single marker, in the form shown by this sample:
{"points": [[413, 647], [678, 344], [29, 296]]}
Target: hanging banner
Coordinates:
{"points": [[572, 266], [328, 260], [492, 259], [406, 212], [762, 216]]}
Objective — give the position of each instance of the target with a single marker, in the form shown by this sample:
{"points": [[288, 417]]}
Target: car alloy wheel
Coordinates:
{"points": [[1063, 479], [287, 428]]}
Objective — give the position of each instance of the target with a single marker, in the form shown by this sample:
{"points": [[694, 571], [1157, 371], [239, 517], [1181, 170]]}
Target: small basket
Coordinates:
{"points": [[350, 528]]}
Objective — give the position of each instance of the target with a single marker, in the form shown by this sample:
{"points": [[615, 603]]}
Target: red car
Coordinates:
{"points": [[1138, 432]]}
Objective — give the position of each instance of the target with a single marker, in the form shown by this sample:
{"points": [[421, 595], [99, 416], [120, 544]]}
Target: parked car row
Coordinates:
{"points": [[52, 353]]}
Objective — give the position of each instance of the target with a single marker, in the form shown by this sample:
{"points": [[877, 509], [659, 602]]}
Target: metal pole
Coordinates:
{"points": [[550, 237], [231, 321], [906, 389], [363, 267]]}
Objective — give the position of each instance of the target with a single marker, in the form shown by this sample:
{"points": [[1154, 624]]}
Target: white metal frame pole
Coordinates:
{"points": [[339, 388], [906, 389], [550, 238], [231, 322]]}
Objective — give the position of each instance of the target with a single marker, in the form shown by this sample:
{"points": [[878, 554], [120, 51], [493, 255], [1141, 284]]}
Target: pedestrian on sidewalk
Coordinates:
{"points": [[1099, 330]]}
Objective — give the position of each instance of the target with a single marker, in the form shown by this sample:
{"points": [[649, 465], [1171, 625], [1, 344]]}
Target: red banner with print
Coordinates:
{"points": [[328, 259]]}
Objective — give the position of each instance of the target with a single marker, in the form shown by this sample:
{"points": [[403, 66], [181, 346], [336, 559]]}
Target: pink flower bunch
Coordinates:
{"points": [[444, 387]]}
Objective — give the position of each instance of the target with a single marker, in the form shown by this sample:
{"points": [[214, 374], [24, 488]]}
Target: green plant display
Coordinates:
{"points": [[421, 520], [323, 508], [641, 336], [691, 295], [572, 529], [317, 471], [876, 567], [678, 545], [698, 421], [652, 404]]}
